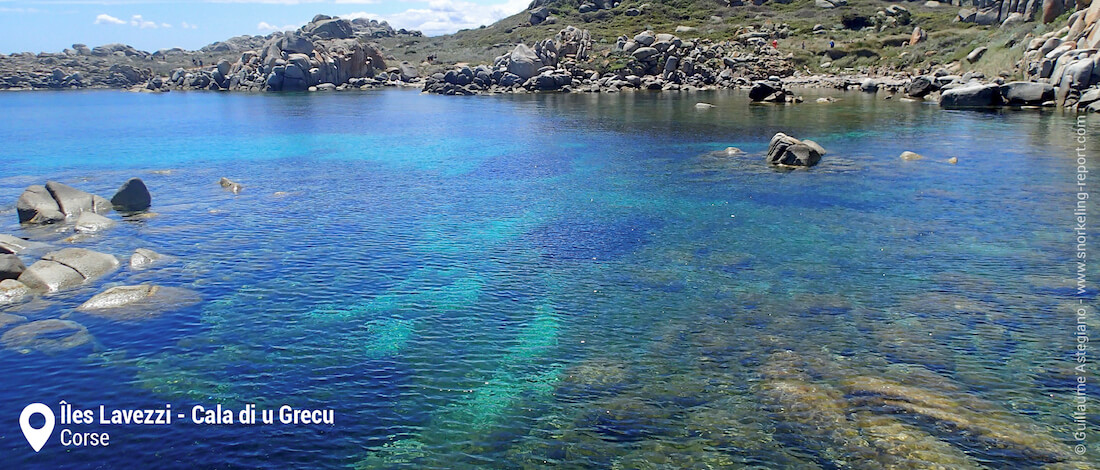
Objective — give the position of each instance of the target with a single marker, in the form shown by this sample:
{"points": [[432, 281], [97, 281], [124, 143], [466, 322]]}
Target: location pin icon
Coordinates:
{"points": [[36, 437]]}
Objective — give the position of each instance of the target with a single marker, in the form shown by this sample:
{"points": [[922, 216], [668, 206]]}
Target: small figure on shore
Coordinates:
{"points": [[775, 44], [831, 44], [803, 45]]}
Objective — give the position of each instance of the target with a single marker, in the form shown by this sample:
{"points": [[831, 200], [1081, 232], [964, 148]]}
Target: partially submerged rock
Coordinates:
{"points": [[137, 302], [55, 201], [73, 201], [12, 291], [910, 156], [89, 222], [67, 268], [1027, 93], [46, 336], [11, 267], [36, 206], [971, 96], [143, 258], [16, 245], [789, 151], [133, 196], [230, 185]]}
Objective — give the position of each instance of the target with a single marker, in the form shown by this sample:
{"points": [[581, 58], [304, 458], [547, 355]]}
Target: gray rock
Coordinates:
{"points": [[789, 151], [50, 276], [15, 245], [524, 62], [12, 291], [973, 96], [11, 267], [976, 54], [133, 196], [920, 87], [333, 28], [143, 258], [68, 267], [37, 206], [1027, 93], [47, 336], [644, 54], [645, 38], [231, 186], [408, 72], [869, 85], [763, 89], [90, 222], [138, 302], [73, 201]]}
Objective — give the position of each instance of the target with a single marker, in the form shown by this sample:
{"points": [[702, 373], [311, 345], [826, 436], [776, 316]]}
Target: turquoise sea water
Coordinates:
{"points": [[563, 280]]}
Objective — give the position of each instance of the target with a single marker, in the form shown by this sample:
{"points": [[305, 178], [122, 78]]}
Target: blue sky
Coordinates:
{"points": [[52, 25]]}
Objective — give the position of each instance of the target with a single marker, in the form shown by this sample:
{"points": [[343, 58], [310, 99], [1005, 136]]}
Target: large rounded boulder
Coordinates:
{"points": [[785, 150], [133, 196], [67, 268]]}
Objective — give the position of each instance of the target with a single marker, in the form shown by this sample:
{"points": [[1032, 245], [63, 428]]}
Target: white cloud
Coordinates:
{"points": [[447, 16], [186, 25], [265, 26], [107, 19], [138, 21]]}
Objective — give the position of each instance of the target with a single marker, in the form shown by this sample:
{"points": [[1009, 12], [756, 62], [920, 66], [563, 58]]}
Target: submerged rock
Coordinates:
{"points": [[67, 268], [46, 336], [7, 319], [133, 196], [789, 151], [137, 302], [910, 156], [966, 416]]}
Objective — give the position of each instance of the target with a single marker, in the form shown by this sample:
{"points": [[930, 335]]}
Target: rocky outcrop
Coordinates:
{"points": [[771, 91], [785, 150], [1067, 58], [67, 268], [55, 201], [647, 61], [133, 196]]}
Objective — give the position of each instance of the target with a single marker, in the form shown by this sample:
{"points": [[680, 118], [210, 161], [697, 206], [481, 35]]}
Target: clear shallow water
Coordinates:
{"points": [[581, 280]]}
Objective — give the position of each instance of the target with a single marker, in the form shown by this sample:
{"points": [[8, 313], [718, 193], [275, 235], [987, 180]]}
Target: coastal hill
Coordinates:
{"points": [[869, 37]]}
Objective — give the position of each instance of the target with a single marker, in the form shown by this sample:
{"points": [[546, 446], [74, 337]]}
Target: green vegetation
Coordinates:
{"points": [[871, 47]]}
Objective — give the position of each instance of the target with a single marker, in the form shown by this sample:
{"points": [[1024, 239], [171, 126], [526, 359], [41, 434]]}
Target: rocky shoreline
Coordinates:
{"points": [[1060, 68]]}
